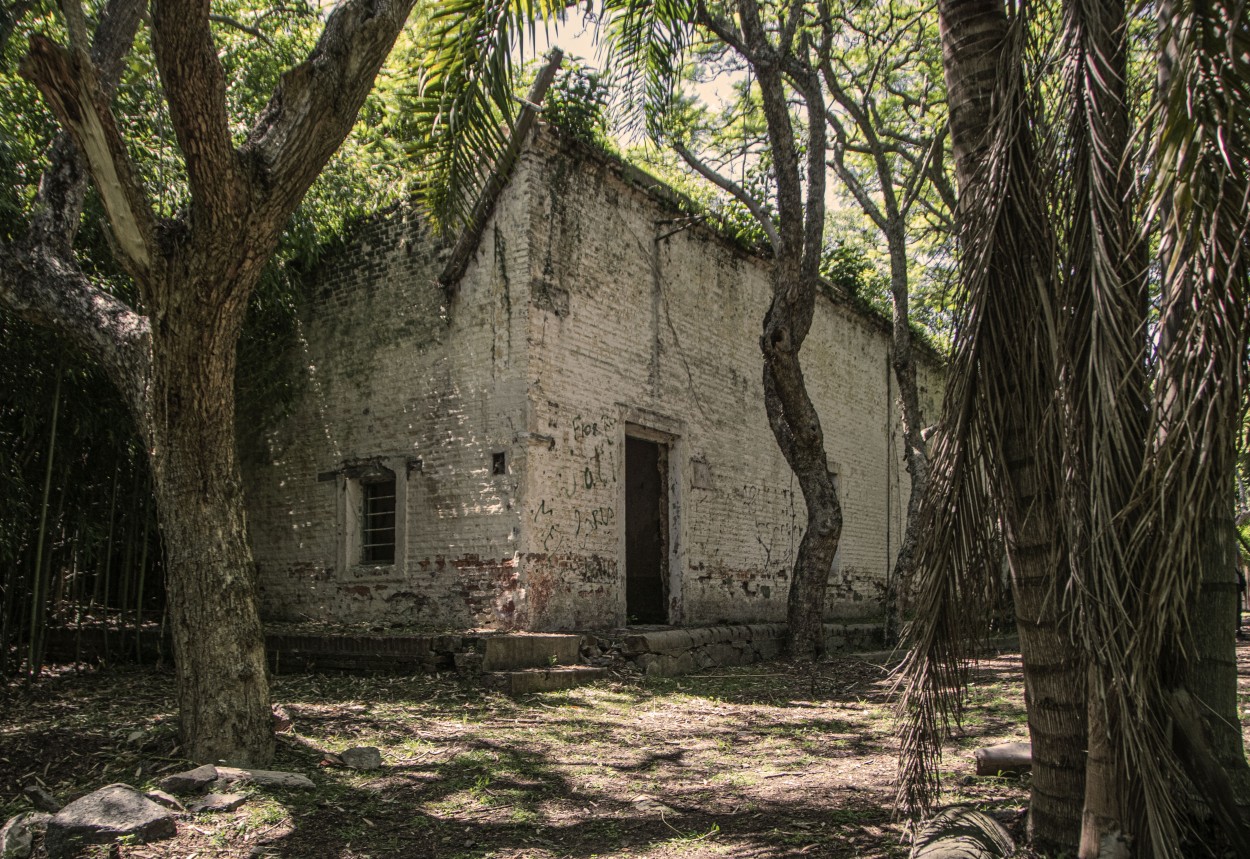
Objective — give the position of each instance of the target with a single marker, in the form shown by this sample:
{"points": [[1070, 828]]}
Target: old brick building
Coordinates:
{"points": [[571, 435]]}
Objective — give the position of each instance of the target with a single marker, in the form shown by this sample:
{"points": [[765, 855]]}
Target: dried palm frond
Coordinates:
{"points": [[1200, 197], [1103, 341], [995, 417]]}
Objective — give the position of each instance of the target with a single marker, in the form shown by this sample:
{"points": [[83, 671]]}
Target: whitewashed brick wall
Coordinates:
{"points": [[571, 324]]}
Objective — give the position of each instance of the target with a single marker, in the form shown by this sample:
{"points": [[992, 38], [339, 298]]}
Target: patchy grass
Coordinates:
{"points": [[762, 761]]}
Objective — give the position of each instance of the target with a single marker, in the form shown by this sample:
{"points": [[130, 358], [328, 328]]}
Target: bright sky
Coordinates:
{"points": [[576, 37]]}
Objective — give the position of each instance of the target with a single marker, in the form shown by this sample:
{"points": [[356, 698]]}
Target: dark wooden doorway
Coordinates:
{"points": [[646, 531]]}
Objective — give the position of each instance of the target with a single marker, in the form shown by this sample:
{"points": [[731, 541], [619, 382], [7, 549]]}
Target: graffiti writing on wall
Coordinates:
{"points": [[573, 516]]}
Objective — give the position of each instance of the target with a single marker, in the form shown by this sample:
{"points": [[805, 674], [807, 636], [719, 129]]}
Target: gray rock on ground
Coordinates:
{"points": [[191, 781], [217, 802], [18, 835], [266, 778], [160, 797], [104, 816], [362, 758]]}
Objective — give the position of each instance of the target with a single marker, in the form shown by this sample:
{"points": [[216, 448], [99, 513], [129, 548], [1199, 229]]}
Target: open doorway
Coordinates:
{"points": [[646, 531]]}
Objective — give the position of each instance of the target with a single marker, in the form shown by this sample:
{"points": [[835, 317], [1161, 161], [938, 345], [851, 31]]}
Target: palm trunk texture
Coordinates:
{"points": [[975, 41]]}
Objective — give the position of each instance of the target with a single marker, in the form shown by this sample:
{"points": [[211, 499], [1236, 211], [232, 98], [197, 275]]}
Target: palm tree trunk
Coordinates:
{"points": [[980, 67]]}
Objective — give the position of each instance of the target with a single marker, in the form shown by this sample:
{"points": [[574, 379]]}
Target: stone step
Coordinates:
{"points": [[519, 650], [554, 679]]}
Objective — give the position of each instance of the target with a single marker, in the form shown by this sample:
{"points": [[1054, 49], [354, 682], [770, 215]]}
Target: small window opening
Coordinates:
{"points": [[498, 463], [378, 521]]}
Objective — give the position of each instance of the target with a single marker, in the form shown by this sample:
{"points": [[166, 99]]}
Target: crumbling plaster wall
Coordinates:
{"points": [[637, 325], [430, 385]]}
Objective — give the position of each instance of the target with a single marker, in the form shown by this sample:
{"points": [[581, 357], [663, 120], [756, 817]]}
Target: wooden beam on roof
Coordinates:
{"points": [[458, 262]]}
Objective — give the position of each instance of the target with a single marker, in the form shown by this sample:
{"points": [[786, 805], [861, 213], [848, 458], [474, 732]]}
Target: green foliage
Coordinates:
{"points": [[577, 103], [649, 41], [847, 268]]}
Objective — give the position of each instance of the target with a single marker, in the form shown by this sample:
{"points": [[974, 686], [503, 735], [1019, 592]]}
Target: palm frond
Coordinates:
{"points": [[1200, 196], [464, 106], [648, 41], [985, 463], [1103, 354]]}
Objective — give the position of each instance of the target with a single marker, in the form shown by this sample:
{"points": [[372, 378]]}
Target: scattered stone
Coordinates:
{"points": [[282, 722], [41, 799], [18, 835], [1004, 759], [266, 778], [962, 833], [191, 781], [330, 759], [104, 816], [362, 758], [135, 736], [650, 805], [217, 802], [160, 797]]}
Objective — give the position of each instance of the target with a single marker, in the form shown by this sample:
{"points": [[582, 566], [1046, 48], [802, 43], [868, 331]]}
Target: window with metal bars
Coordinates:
{"points": [[377, 544]]}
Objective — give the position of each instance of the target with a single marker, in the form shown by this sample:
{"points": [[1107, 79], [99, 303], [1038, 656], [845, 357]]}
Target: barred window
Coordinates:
{"points": [[377, 542]]}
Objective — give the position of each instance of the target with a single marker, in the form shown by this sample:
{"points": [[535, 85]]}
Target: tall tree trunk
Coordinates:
{"points": [[174, 362], [796, 427], [1214, 678], [1102, 332], [211, 588], [981, 67], [797, 236], [915, 451]]}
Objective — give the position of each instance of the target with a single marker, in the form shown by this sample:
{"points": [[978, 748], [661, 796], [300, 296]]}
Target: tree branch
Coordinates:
{"points": [[195, 90], [255, 32], [720, 27], [734, 189], [46, 290], [57, 207], [315, 104], [70, 87]]}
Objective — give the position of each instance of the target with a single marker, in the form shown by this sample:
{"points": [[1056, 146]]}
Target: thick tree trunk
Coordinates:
{"points": [[1214, 681], [797, 236], [1053, 667], [174, 363], [219, 648]]}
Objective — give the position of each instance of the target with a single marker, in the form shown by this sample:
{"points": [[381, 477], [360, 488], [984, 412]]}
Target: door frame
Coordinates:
{"points": [[669, 433]]}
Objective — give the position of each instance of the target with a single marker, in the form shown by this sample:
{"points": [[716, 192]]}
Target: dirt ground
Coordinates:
{"points": [[767, 760]]}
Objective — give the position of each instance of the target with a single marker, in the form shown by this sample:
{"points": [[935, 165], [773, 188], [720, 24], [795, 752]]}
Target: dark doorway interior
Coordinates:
{"points": [[646, 531]]}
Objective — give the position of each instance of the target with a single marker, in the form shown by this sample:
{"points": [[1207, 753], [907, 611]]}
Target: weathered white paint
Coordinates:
{"points": [[572, 327]]}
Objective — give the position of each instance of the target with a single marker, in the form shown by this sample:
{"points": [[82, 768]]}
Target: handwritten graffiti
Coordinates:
{"points": [[777, 537], [590, 521], [583, 429]]}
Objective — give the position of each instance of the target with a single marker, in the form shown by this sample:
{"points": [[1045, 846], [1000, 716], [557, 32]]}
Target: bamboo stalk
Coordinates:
{"points": [[35, 612], [143, 568]]}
